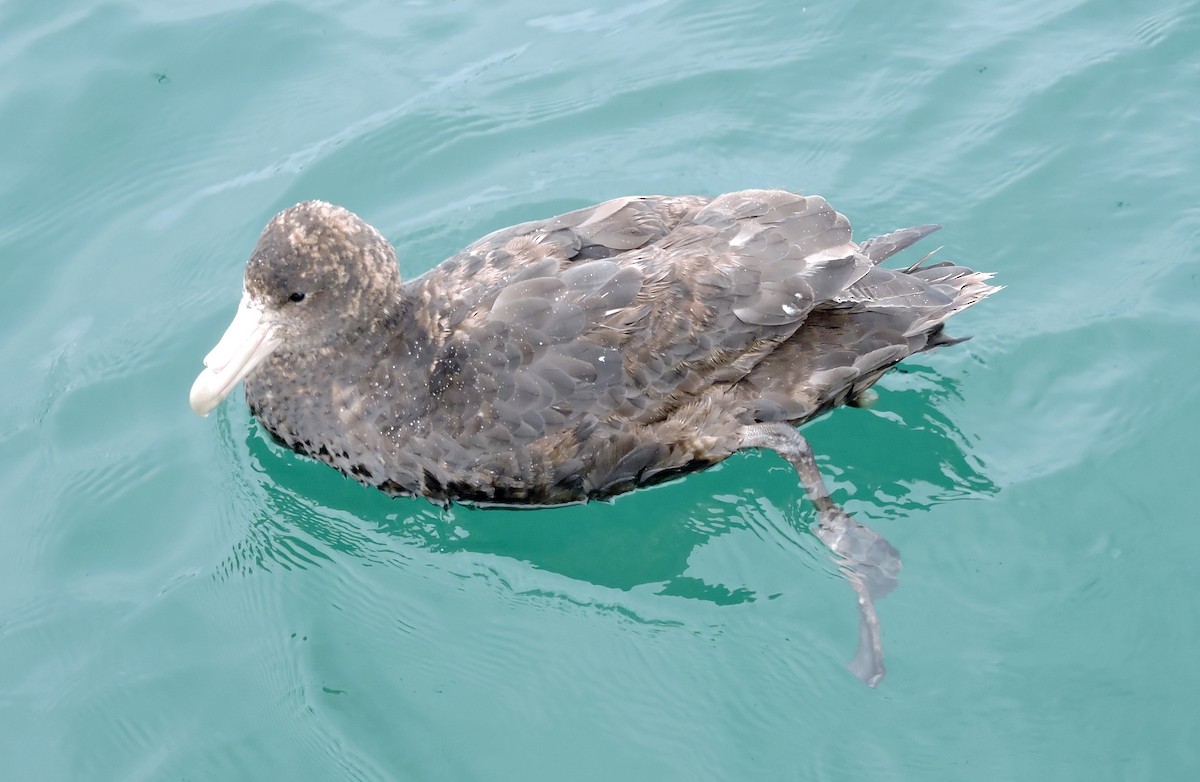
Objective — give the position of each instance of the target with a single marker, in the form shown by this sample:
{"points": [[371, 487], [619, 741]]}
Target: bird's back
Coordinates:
{"points": [[618, 345]]}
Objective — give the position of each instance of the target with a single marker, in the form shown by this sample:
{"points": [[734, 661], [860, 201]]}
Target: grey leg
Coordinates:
{"points": [[868, 561]]}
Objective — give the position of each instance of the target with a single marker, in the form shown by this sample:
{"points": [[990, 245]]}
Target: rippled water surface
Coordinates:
{"points": [[181, 599]]}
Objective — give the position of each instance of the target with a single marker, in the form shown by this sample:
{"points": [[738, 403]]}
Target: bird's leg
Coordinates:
{"points": [[868, 561]]}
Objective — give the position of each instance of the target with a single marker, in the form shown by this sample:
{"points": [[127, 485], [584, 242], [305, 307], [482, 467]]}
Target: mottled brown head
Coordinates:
{"points": [[318, 275], [322, 270]]}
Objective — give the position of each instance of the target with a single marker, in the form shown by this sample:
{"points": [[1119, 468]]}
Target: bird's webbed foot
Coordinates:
{"points": [[868, 561]]}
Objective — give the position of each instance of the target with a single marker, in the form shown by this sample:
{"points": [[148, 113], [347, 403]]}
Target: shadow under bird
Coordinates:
{"points": [[579, 357]]}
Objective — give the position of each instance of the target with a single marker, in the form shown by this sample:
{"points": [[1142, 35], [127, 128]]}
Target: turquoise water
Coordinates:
{"points": [[181, 600]]}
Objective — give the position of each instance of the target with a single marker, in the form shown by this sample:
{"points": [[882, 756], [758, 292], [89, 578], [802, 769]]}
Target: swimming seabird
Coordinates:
{"points": [[579, 357]]}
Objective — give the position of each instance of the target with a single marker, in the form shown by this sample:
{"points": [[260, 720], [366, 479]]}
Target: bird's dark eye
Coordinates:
{"points": [[296, 297]]}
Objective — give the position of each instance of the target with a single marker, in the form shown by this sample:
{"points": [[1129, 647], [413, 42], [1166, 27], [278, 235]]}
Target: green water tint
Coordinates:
{"points": [[180, 600]]}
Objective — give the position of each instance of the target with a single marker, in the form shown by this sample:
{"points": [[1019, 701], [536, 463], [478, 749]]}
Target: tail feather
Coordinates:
{"points": [[966, 286], [848, 342], [880, 248]]}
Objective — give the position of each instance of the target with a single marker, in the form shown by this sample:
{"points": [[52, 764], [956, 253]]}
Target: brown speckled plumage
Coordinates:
{"points": [[582, 356]]}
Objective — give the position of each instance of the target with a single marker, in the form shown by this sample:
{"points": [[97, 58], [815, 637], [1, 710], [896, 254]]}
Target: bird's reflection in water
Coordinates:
{"points": [[891, 462]]}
